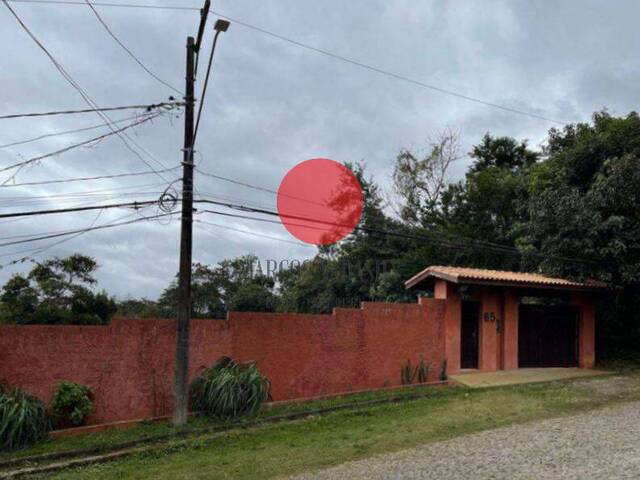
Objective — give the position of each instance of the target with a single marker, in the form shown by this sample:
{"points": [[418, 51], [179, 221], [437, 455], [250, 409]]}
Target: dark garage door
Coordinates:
{"points": [[548, 336]]}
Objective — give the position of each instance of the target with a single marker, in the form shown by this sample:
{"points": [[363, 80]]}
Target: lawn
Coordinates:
{"points": [[114, 437], [323, 440]]}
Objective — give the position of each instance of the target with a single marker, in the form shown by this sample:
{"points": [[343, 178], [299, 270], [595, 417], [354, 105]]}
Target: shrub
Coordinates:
{"points": [[408, 373], [23, 419], [444, 376], [228, 389], [71, 404]]}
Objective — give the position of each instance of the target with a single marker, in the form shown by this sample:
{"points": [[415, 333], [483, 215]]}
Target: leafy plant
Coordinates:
{"points": [[23, 419], [71, 404], [443, 371], [229, 389], [408, 373], [423, 370]]}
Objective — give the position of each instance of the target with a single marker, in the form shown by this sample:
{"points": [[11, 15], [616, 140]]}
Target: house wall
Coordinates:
{"points": [[510, 334], [129, 363], [489, 355], [498, 340], [586, 330], [448, 292]]}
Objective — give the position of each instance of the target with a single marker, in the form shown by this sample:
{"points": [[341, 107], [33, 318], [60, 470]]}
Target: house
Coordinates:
{"points": [[500, 320]]}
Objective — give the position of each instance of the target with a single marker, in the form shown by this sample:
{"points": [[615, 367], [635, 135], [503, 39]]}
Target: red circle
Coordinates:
{"points": [[320, 201]]}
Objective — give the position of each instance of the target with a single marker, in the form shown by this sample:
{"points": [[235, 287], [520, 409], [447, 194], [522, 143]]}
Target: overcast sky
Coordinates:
{"points": [[272, 104]]}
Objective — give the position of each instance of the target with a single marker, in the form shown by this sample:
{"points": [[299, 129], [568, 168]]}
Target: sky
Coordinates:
{"points": [[272, 104]]}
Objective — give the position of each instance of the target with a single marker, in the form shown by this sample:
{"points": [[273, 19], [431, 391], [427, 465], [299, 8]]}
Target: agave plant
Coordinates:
{"points": [[423, 370], [23, 419], [408, 373], [229, 389]]}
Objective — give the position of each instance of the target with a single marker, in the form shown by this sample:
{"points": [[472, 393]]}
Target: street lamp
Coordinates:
{"points": [[181, 377], [221, 25]]}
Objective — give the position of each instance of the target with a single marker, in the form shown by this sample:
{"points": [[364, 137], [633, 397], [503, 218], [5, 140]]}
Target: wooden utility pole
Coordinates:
{"points": [[181, 379]]}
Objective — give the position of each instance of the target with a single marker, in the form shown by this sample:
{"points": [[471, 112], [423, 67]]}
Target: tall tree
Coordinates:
{"points": [[420, 182]]}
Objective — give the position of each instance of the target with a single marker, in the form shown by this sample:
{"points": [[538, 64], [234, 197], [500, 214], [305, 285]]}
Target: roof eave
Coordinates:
{"points": [[421, 277]]}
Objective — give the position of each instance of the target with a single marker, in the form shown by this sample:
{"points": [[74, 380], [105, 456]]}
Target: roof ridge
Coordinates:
{"points": [[458, 274]]}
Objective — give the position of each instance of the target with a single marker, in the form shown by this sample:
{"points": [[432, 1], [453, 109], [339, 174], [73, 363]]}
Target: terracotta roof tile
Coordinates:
{"points": [[482, 276]]}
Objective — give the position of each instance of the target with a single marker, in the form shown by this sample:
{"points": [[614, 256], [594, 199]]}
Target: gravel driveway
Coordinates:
{"points": [[603, 444]]}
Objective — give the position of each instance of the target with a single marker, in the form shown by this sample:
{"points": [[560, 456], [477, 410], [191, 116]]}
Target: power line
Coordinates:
{"points": [[258, 188], [236, 182], [66, 230], [37, 251], [30, 235], [389, 73], [82, 179], [480, 243], [147, 107], [78, 145], [85, 96], [134, 205], [255, 234], [84, 230], [108, 4], [136, 188], [21, 219], [244, 184], [496, 248], [333, 55], [66, 132], [61, 200], [126, 49]]}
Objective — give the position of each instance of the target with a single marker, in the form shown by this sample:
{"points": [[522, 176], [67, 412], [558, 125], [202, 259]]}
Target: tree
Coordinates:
{"points": [[253, 297], [420, 182], [341, 275], [57, 291], [139, 308], [585, 201], [214, 288], [584, 216], [18, 300], [504, 153]]}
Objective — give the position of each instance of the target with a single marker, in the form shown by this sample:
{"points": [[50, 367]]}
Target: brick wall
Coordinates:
{"points": [[129, 363]]}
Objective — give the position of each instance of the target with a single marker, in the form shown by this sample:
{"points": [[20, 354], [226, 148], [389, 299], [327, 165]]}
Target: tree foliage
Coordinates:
{"points": [[56, 291], [235, 284], [571, 209]]}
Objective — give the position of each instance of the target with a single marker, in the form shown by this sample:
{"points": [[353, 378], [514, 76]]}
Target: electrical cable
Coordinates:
{"points": [[66, 132], [126, 49], [85, 96], [495, 248], [78, 145], [84, 230], [255, 234], [148, 108], [36, 251], [324, 52], [108, 4], [32, 213], [82, 179]]}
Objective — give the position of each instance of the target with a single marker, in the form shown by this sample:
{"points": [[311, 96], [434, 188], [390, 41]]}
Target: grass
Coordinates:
{"points": [[113, 437], [316, 442]]}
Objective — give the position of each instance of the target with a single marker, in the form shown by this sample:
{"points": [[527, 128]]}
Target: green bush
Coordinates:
{"points": [[229, 389], [23, 419], [71, 404]]}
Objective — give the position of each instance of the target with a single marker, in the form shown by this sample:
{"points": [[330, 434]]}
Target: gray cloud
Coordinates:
{"points": [[272, 105]]}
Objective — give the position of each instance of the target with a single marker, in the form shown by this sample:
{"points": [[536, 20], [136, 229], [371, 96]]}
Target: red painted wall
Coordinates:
{"points": [[129, 363], [453, 310]]}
